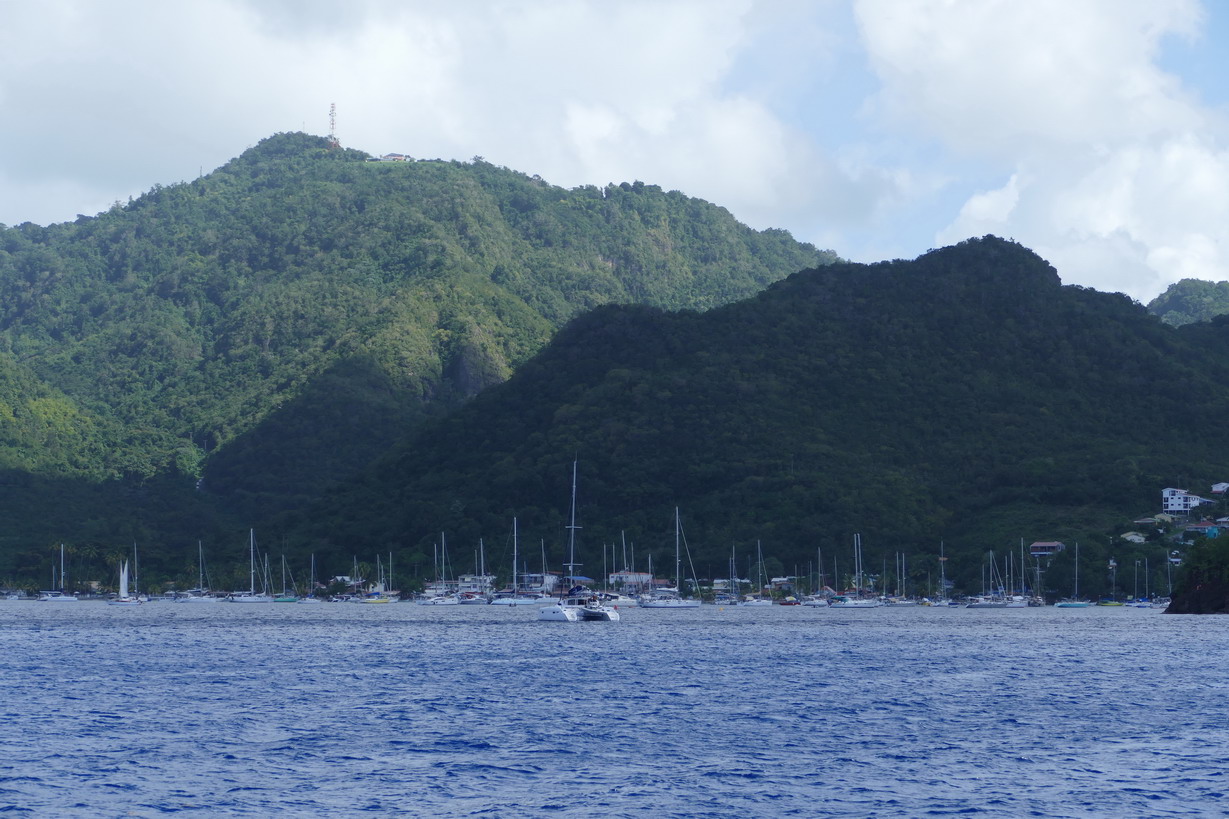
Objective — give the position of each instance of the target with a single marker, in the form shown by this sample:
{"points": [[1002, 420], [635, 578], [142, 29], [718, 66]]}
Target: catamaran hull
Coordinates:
{"points": [[558, 614]]}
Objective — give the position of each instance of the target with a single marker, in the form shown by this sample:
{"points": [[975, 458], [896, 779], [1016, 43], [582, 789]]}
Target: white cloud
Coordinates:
{"points": [[1107, 162], [995, 76]]}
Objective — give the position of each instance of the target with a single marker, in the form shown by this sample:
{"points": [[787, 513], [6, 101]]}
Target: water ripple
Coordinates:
{"points": [[709, 712]]}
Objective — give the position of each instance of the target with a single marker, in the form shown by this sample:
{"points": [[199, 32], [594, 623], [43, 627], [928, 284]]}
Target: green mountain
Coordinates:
{"points": [[274, 325], [355, 356], [965, 397], [1191, 300]]}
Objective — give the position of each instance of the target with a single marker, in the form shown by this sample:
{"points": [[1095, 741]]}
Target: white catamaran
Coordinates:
{"points": [[579, 603]]}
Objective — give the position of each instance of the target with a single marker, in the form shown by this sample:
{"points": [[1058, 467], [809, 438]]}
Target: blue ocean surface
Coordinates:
{"points": [[343, 709]]}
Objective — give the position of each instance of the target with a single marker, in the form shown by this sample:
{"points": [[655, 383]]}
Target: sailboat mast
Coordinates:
{"points": [[857, 562], [942, 572], [1077, 570], [572, 527], [678, 564], [252, 560]]}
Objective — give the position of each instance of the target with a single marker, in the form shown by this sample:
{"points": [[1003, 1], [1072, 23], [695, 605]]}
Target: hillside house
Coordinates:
{"points": [[1134, 537], [1046, 548], [1220, 488], [631, 582], [783, 584], [1180, 501], [545, 582], [1207, 528]]}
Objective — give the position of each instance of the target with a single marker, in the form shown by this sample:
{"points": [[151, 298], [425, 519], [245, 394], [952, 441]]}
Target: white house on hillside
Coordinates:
{"points": [[1180, 501], [1220, 488]]}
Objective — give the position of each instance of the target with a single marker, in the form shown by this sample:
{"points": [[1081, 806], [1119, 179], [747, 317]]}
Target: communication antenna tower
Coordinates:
{"points": [[333, 143]]}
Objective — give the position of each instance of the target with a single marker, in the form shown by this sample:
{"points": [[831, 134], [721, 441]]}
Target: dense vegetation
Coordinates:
{"points": [[272, 326], [964, 397], [1191, 300], [358, 358], [1203, 586]]}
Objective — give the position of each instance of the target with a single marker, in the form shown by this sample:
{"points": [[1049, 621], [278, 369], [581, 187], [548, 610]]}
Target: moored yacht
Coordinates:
{"points": [[124, 599], [56, 596], [608, 598], [671, 598], [579, 603], [250, 596], [845, 601]]}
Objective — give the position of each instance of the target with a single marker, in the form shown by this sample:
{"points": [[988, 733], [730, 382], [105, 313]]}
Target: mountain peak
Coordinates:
{"points": [[296, 144]]}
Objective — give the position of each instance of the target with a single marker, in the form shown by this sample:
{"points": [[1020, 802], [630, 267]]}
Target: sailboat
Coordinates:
{"points": [[439, 593], [856, 600], [942, 599], [250, 596], [380, 593], [757, 599], [200, 594], [287, 595], [517, 597], [57, 594], [672, 598], [477, 590], [124, 599], [311, 597], [579, 603], [1074, 601]]}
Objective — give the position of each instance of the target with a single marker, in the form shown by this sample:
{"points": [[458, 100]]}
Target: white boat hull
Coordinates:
{"points": [[518, 601], [671, 603], [56, 597], [600, 614], [558, 613]]}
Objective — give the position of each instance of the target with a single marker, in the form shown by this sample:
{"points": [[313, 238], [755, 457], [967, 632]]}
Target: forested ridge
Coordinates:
{"points": [[965, 397], [360, 358], [1191, 300], [271, 327]]}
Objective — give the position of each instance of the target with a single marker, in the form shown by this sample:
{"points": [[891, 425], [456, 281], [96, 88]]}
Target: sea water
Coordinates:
{"points": [[345, 709]]}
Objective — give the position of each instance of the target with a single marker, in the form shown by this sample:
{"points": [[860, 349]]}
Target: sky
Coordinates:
{"points": [[1095, 132]]}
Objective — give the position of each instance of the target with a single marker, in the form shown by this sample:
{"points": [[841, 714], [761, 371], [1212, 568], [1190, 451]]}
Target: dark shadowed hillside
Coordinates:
{"points": [[964, 396]]}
